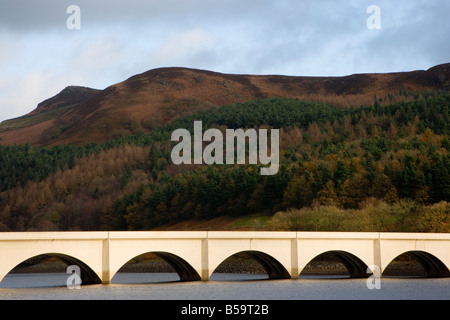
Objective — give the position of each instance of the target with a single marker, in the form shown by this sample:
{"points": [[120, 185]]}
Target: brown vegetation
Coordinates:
{"points": [[160, 95], [80, 198]]}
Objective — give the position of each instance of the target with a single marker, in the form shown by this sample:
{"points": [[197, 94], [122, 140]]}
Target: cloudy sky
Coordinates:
{"points": [[40, 55]]}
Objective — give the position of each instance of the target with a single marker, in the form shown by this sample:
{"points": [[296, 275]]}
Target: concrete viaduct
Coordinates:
{"points": [[196, 254]]}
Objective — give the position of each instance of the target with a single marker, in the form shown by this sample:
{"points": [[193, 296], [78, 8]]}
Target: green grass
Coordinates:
{"points": [[251, 222]]}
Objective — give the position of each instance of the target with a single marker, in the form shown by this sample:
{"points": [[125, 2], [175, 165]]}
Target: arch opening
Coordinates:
{"points": [[41, 266], [250, 265], [335, 264], [164, 267], [416, 264]]}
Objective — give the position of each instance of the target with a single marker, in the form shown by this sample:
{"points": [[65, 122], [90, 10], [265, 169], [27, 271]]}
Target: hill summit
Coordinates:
{"points": [[79, 115]]}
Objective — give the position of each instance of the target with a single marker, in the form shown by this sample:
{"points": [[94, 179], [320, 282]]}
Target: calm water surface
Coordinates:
{"points": [[165, 286]]}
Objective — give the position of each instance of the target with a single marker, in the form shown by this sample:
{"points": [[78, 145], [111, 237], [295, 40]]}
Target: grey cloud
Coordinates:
{"points": [[260, 35], [25, 15]]}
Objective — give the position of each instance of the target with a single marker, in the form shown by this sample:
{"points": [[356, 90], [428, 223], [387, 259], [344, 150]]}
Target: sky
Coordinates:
{"points": [[46, 46]]}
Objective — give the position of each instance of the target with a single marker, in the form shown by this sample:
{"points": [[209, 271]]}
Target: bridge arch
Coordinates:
{"points": [[273, 268], [354, 265], [184, 270], [432, 265], [88, 276]]}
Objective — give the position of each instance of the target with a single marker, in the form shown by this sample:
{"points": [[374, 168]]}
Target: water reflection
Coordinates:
{"points": [[223, 286]]}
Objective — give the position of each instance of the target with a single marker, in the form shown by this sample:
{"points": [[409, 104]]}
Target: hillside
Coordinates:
{"points": [[40, 125], [375, 168], [367, 152], [143, 102]]}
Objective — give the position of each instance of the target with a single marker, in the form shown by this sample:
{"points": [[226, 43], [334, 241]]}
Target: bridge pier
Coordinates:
{"points": [[294, 271], [204, 273], [106, 274]]}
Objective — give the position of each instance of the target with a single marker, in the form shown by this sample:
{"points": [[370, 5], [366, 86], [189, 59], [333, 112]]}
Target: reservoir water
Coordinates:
{"points": [[223, 286]]}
